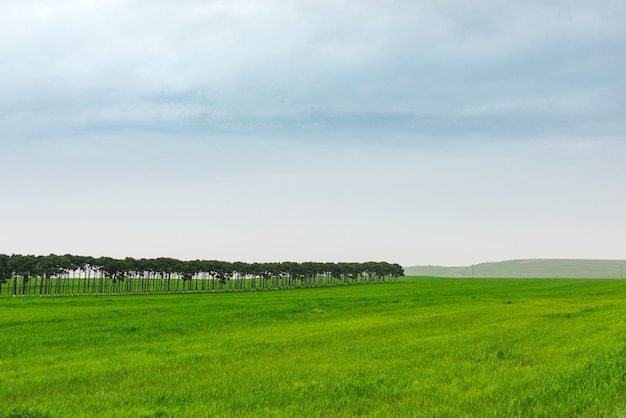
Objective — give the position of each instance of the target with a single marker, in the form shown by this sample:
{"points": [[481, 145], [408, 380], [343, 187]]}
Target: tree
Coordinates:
{"points": [[57, 274], [6, 273], [23, 266]]}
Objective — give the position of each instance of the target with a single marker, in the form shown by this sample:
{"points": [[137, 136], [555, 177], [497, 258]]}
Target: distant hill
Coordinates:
{"points": [[544, 268]]}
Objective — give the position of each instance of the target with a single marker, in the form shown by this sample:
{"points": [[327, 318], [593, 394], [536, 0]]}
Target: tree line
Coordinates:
{"points": [[63, 275]]}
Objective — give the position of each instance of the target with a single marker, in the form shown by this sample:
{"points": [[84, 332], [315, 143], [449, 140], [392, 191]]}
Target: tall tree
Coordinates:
{"points": [[6, 273]]}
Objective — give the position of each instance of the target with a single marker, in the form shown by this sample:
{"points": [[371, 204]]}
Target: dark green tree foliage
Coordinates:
{"points": [[6, 273], [54, 275]]}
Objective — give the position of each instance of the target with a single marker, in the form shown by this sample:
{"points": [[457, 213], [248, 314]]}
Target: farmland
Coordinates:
{"points": [[416, 347]]}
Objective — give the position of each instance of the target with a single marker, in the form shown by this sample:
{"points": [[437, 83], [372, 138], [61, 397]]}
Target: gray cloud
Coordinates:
{"points": [[420, 132], [272, 67]]}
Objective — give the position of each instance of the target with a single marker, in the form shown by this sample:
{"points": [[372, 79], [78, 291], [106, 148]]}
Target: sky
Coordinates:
{"points": [[421, 133]]}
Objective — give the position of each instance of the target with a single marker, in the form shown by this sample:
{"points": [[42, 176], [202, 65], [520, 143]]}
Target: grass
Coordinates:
{"points": [[420, 347]]}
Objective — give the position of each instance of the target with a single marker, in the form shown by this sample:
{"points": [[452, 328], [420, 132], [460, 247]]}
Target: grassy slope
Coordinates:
{"points": [[555, 268], [444, 347]]}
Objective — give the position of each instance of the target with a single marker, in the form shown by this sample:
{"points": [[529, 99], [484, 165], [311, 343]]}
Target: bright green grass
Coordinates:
{"points": [[420, 347]]}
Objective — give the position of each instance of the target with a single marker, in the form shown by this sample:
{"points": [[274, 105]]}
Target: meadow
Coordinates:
{"points": [[416, 347]]}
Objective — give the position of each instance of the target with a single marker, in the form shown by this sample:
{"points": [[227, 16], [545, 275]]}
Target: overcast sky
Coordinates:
{"points": [[417, 132]]}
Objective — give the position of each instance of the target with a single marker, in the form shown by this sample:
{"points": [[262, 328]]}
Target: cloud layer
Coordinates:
{"points": [[268, 67], [418, 132]]}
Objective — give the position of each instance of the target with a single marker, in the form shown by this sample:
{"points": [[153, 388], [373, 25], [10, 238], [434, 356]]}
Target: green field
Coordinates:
{"points": [[418, 347]]}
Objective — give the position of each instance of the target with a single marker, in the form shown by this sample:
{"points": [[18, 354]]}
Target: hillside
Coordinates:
{"points": [[546, 268]]}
